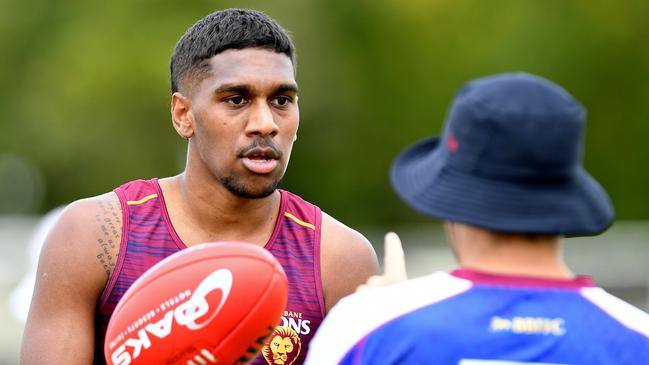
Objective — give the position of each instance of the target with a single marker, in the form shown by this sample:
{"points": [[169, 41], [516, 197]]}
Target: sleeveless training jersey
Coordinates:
{"points": [[148, 236], [474, 318]]}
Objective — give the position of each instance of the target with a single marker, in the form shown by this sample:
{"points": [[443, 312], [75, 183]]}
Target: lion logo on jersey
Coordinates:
{"points": [[283, 347]]}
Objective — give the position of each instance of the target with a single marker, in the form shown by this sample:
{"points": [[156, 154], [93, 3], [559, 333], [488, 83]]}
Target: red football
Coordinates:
{"points": [[212, 303]]}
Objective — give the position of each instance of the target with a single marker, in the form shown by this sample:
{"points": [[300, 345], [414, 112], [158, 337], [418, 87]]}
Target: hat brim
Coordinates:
{"points": [[576, 207]]}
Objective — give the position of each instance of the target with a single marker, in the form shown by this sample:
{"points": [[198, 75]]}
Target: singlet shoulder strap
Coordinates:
{"points": [[131, 194], [137, 192], [301, 212]]}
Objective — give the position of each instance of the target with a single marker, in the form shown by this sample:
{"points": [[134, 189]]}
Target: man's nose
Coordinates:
{"points": [[261, 120]]}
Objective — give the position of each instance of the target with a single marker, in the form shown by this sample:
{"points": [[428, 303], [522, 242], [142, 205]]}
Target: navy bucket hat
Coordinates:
{"points": [[509, 160]]}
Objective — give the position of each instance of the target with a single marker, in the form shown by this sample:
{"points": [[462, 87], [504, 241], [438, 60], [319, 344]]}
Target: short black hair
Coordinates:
{"points": [[220, 31]]}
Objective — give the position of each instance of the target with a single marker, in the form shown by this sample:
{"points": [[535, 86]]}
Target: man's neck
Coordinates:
{"points": [[203, 211], [510, 254]]}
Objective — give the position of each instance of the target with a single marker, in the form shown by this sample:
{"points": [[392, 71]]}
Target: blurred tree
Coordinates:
{"points": [[86, 95]]}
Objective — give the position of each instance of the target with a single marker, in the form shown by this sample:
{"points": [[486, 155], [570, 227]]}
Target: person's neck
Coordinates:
{"points": [[214, 213], [509, 254]]}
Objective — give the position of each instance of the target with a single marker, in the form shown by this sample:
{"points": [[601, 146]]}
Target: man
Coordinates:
{"points": [[506, 177], [235, 101]]}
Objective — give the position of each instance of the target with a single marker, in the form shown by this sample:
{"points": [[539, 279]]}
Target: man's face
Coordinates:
{"points": [[245, 120]]}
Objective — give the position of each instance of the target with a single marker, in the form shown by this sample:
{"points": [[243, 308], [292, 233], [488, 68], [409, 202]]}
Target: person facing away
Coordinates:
{"points": [[506, 177], [234, 98]]}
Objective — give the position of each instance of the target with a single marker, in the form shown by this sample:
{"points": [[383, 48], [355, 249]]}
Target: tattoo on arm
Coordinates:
{"points": [[109, 218]]}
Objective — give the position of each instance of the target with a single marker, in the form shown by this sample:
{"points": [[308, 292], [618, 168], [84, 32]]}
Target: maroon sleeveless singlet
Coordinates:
{"points": [[148, 236]]}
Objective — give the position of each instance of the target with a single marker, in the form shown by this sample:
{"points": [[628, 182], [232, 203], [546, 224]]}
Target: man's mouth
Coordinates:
{"points": [[260, 160]]}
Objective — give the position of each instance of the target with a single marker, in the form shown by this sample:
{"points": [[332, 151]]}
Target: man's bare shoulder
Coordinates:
{"points": [[77, 258], [338, 236], [347, 259], [90, 227]]}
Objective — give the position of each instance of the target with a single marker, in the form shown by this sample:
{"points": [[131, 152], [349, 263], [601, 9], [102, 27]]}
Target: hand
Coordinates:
{"points": [[394, 265]]}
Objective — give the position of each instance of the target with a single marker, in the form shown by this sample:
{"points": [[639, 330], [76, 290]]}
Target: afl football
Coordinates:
{"points": [[212, 303]]}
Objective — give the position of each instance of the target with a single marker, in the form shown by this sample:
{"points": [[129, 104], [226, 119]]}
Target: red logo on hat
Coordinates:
{"points": [[451, 143]]}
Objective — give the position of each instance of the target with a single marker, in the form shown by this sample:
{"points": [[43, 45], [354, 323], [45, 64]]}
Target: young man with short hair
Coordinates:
{"points": [[235, 100]]}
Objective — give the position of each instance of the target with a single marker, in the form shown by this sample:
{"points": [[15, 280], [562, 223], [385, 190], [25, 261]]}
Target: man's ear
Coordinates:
{"points": [[181, 115]]}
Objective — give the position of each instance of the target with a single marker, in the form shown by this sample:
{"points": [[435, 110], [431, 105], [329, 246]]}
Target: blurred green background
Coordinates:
{"points": [[85, 107], [85, 96]]}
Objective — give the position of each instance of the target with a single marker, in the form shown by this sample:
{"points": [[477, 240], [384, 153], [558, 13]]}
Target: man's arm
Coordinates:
{"points": [[347, 260], [75, 263]]}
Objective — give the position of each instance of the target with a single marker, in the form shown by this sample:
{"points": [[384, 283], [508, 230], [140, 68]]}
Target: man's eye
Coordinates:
{"points": [[237, 100], [282, 101]]}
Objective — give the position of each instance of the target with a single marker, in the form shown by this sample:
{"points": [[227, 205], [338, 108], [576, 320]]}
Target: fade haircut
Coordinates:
{"points": [[220, 31]]}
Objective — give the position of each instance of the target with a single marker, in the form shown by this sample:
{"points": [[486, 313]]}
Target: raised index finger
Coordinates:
{"points": [[394, 261]]}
